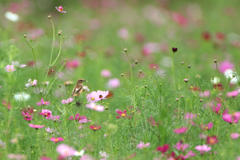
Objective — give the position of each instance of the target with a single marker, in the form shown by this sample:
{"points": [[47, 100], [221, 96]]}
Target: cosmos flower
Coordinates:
{"points": [[217, 108], [207, 126], [234, 135], [45, 83], [106, 73], [26, 116], [86, 89], [11, 16], [163, 148], [65, 151], [180, 130], [22, 96], [141, 145], [16, 156], [87, 157], [212, 140], [49, 130], [60, 9], [97, 96], [69, 100], [35, 126], [189, 154], [232, 76], [233, 93], [205, 94], [215, 80], [95, 127], [72, 64], [43, 103], [122, 114], [58, 139], [2, 144], [223, 66], [95, 107], [203, 148], [55, 118], [46, 113], [10, 68], [180, 146], [31, 83], [113, 83], [103, 155], [17, 65], [123, 33]]}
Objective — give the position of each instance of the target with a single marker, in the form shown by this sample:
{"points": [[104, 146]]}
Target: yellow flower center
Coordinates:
{"points": [[92, 98], [9, 69], [55, 139], [123, 114], [206, 128], [211, 141], [95, 128]]}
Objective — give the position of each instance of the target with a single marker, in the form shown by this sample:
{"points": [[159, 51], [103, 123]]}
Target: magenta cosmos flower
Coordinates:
{"points": [[35, 126], [43, 103], [57, 139], [203, 148], [60, 9], [163, 148], [205, 94], [97, 96], [234, 135], [46, 113], [207, 126], [95, 107], [72, 64], [231, 118], [95, 127], [141, 145], [223, 66], [152, 121], [65, 151], [122, 114], [10, 68], [232, 94], [80, 119], [180, 146], [69, 100], [217, 108], [180, 130], [26, 116], [106, 73], [212, 140], [113, 83]]}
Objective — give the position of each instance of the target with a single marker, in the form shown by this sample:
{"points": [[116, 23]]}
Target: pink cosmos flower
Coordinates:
{"points": [[69, 100], [16, 156], [65, 151], [141, 145], [49, 130], [123, 33], [212, 140], [180, 19], [35, 126], [72, 64], [180, 146], [122, 114], [231, 118], [97, 96], [26, 116], [95, 107], [46, 113], [205, 94], [113, 83], [207, 126], [203, 148], [58, 139], [163, 148], [234, 135], [55, 118], [86, 157], [232, 94], [43, 103], [45, 158], [202, 136], [189, 117], [189, 154], [217, 108], [95, 127], [152, 121], [60, 9], [150, 48], [17, 65], [31, 83], [106, 73], [172, 156], [103, 155], [180, 130], [223, 66], [10, 68]]}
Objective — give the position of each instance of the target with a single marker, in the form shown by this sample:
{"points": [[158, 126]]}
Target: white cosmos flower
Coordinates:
{"points": [[215, 80], [22, 96], [230, 74], [11, 16], [17, 65], [79, 153]]}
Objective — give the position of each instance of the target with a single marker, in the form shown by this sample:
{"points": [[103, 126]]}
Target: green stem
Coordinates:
{"points": [[60, 49], [173, 72]]}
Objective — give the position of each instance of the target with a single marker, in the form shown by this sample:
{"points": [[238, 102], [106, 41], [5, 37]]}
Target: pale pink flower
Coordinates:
{"points": [[207, 126], [223, 66], [72, 64], [55, 118], [31, 83], [232, 94], [150, 48], [179, 19], [123, 33], [97, 96], [103, 155], [46, 113], [113, 83], [189, 154], [95, 107], [60, 9], [16, 156], [34, 33], [35, 126], [65, 151], [180, 130], [67, 101], [43, 103], [57, 139], [203, 148], [49, 130], [87, 157], [10, 68], [106, 73], [141, 145], [205, 94], [180, 146], [234, 135], [17, 65]]}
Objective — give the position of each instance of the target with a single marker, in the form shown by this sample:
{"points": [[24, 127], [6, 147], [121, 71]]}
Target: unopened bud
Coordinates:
{"points": [[215, 61], [125, 50], [140, 71], [25, 36], [136, 62], [49, 16], [122, 74]]}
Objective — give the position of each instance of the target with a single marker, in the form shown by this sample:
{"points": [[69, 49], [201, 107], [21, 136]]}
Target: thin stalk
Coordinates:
{"points": [[173, 72], [60, 49]]}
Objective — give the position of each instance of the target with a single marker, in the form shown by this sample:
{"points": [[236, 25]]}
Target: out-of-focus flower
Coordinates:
{"points": [[234, 135], [150, 48], [212, 140], [17, 65], [69, 100], [49, 130], [11, 16], [223, 66], [31, 83], [40, 91], [97, 96], [6, 104], [232, 94], [72, 64], [87, 157], [215, 80], [152, 121], [95, 107], [180, 146], [123, 33], [35, 33], [172, 156], [26, 116], [42, 102], [80, 119], [60, 9], [79, 153], [233, 76], [68, 83], [153, 66], [45, 158], [35, 126], [46, 113], [113, 83], [203, 148], [58, 139], [65, 151], [2, 144], [55, 118], [205, 94], [234, 118], [122, 114], [141, 145], [207, 126], [206, 36], [103, 154], [180, 19], [106, 73], [22, 96], [217, 108], [202, 136], [189, 154], [17, 156], [14, 140], [45, 83], [95, 127], [180, 130], [10, 68], [163, 148]]}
